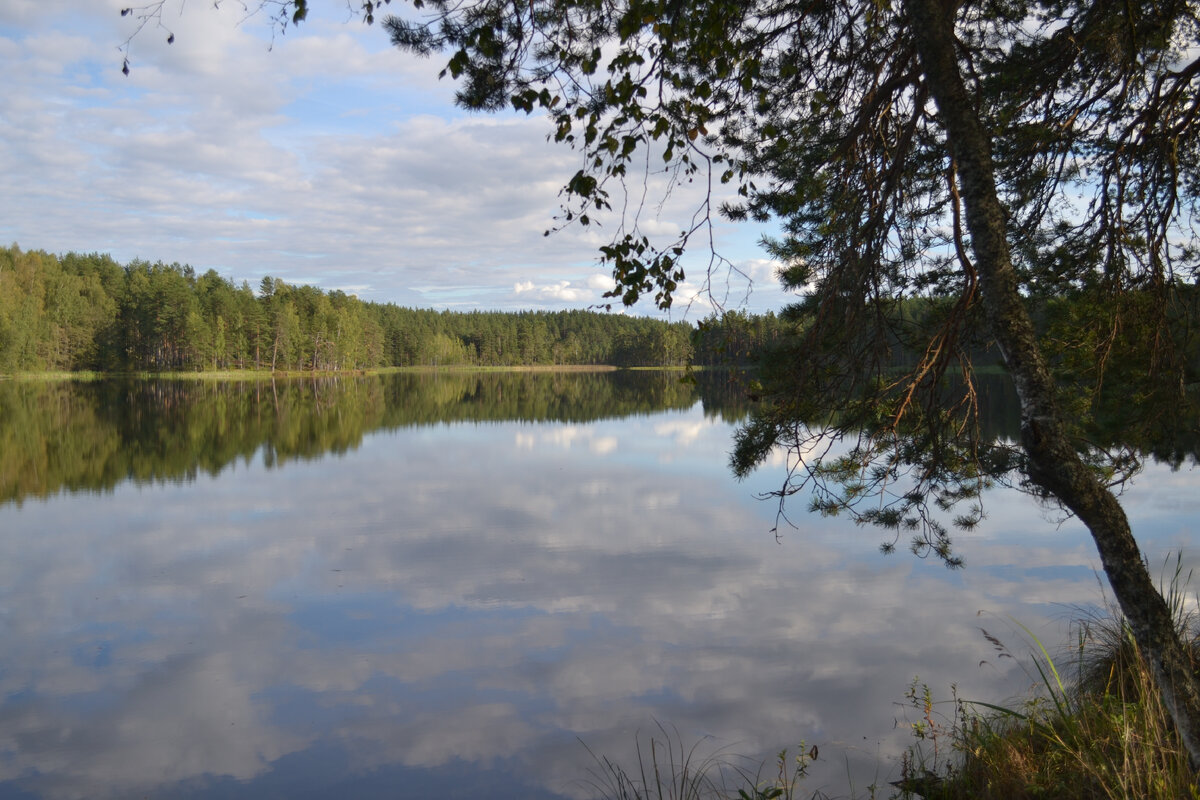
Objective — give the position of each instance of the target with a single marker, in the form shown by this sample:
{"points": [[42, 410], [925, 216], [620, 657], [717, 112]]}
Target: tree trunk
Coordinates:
{"points": [[1053, 462]]}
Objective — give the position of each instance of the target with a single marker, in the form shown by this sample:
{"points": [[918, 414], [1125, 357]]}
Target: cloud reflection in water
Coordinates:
{"points": [[455, 601]]}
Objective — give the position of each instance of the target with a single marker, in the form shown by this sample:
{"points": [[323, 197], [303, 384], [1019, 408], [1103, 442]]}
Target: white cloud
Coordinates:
{"points": [[601, 282], [561, 290]]}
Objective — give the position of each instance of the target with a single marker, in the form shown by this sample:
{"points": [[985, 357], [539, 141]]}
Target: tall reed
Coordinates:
{"points": [[665, 768], [1096, 728]]}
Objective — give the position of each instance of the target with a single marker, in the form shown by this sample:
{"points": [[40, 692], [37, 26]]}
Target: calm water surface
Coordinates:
{"points": [[421, 586]]}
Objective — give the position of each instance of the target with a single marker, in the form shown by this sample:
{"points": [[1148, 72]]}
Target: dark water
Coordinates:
{"points": [[447, 585]]}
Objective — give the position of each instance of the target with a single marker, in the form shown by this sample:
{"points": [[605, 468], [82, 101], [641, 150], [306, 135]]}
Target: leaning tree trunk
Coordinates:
{"points": [[1053, 462]]}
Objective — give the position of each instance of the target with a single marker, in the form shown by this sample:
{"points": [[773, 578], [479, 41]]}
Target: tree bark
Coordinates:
{"points": [[1053, 463]]}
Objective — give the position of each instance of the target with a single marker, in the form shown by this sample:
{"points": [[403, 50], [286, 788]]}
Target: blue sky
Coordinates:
{"points": [[324, 157]]}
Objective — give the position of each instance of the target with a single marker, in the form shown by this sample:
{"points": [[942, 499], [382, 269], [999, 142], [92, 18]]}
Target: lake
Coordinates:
{"points": [[473, 585]]}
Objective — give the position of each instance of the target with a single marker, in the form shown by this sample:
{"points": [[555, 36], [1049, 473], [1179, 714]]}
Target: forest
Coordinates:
{"points": [[87, 312], [78, 312]]}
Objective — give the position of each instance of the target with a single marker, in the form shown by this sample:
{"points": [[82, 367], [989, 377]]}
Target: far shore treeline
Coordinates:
{"points": [[87, 312], [77, 312]]}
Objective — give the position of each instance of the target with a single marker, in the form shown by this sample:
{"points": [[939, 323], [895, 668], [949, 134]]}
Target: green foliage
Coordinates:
{"points": [[1129, 363], [737, 338], [817, 115], [88, 312]]}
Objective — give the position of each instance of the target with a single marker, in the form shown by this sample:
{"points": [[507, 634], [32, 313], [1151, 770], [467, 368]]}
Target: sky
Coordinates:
{"points": [[321, 156]]}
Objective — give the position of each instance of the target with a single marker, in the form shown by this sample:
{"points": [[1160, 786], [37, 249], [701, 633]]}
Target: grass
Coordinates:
{"points": [[1097, 727], [666, 769], [251, 374], [512, 368], [211, 375], [52, 377]]}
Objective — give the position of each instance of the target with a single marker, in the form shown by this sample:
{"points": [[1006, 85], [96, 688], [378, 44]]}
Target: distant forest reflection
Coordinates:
{"points": [[91, 436]]}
